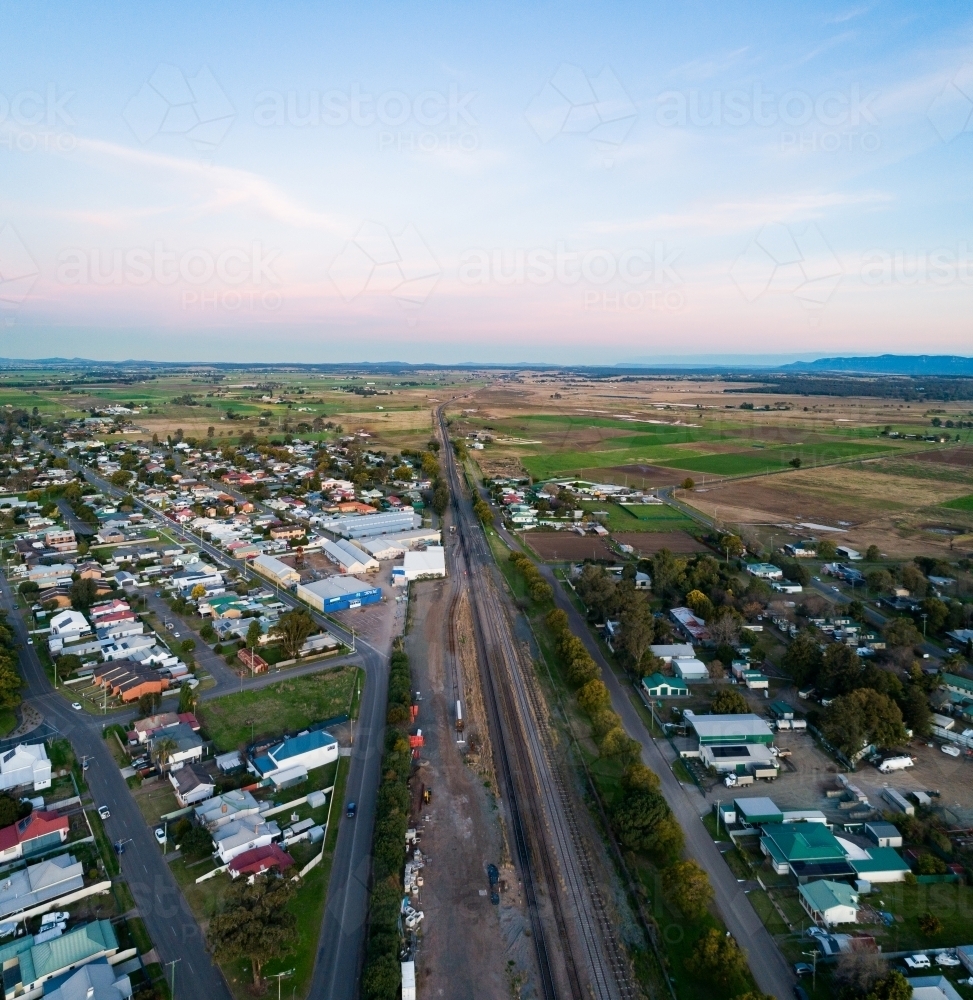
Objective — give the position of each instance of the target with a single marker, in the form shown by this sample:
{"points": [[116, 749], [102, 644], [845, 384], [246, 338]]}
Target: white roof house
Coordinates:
{"points": [[35, 885], [69, 623], [425, 563], [666, 652], [26, 764], [689, 668], [245, 834]]}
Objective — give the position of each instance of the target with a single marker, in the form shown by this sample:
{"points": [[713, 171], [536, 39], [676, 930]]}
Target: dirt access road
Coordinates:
{"points": [[470, 949]]}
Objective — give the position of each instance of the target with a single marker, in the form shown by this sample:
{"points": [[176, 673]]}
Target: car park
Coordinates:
{"points": [[104, 812]]}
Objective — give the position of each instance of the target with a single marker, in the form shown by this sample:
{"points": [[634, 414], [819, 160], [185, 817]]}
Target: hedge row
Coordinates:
{"points": [[381, 976], [642, 818], [538, 588]]}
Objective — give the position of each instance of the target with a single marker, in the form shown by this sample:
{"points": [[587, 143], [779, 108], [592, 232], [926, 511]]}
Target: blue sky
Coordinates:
{"points": [[484, 183]]}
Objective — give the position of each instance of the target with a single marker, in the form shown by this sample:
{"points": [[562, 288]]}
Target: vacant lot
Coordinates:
{"points": [[561, 546], [285, 707], [950, 456], [647, 543]]}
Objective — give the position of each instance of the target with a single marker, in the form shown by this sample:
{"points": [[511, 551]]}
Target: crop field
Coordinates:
{"points": [[647, 543]]}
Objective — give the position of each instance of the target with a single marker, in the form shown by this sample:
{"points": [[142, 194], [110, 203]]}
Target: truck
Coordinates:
{"points": [[738, 780], [766, 771], [459, 716], [898, 763]]}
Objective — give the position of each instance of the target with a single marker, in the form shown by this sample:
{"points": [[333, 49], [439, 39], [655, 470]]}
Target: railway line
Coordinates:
{"points": [[578, 952]]}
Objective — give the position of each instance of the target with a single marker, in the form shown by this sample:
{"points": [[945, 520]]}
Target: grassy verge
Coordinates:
{"points": [[105, 848]]}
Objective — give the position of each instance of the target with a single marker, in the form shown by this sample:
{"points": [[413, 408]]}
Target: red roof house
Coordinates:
{"points": [[33, 834], [260, 860]]}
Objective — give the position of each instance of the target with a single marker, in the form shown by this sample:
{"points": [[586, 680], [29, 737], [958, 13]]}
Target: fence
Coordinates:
{"points": [[951, 737]]}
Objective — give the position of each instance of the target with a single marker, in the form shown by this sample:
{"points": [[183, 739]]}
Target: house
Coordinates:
{"points": [[338, 593], [643, 581], [765, 571], [142, 729], [287, 532], [348, 557], [877, 864], [243, 834], [828, 903], [253, 661], [61, 540], [27, 966], [260, 860], [689, 669], [425, 564], [69, 625], [95, 981], [43, 886], [666, 652], [223, 606], [658, 686], [26, 764], [34, 834], [188, 744], [884, 834], [276, 571], [693, 627], [51, 576], [935, 987], [732, 742], [128, 679], [225, 808], [807, 549], [191, 785], [307, 750]]}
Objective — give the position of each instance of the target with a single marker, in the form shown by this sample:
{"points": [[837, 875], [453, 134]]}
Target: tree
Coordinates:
{"points": [[732, 545], [873, 553], [913, 580], [644, 823], [930, 924], [827, 550], [292, 629], [901, 631], [802, 660], [198, 592], [11, 810], [639, 778], [716, 670], [725, 629], [638, 630], [857, 972], [718, 958], [83, 594], [196, 842], [729, 702], [120, 478], [879, 581], [668, 574], [688, 484], [148, 703], [255, 923], [916, 713], [187, 699], [254, 634], [619, 745], [893, 987], [164, 748], [440, 498], [700, 604], [687, 887], [795, 462], [863, 717], [593, 697], [936, 612]]}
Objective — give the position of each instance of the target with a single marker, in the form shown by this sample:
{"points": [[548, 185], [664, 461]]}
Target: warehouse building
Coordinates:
{"points": [[338, 593], [395, 546], [348, 557], [732, 742], [373, 525], [425, 564], [276, 571]]}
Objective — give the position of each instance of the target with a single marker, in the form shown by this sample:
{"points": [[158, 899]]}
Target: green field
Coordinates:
{"points": [[285, 707], [643, 517], [960, 503]]}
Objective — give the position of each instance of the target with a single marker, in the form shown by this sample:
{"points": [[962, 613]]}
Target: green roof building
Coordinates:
{"points": [[806, 850], [659, 686], [828, 902]]}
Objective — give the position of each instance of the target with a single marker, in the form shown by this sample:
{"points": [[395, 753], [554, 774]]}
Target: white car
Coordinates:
{"points": [[54, 917], [30, 642], [950, 750], [104, 812], [76, 705], [968, 732], [917, 961], [160, 835]]}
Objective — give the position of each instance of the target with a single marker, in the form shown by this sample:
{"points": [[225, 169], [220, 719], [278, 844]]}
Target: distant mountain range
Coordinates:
{"points": [[889, 364]]}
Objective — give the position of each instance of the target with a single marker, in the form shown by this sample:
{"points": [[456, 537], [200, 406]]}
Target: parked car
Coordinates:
{"points": [[54, 917], [950, 750], [76, 705], [802, 969], [917, 961], [351, 809], [160, 835], [30, 642], [104, 812], [800, 993]]}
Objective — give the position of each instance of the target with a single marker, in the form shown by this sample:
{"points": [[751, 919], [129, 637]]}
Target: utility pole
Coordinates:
{"points": [[172, 985], [279, 976]]}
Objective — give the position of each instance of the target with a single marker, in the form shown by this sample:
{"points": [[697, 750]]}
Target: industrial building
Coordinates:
{"points": [[348, 557], [276, 571], [395, 546], [373, 525], [338, 593], [732, 743], [424, 564]]}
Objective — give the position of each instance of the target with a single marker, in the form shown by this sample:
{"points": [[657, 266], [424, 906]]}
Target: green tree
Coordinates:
{"points": [[873, 553], [718, 958], [936, 612], [292, 629], [687, 887], [901, 631], [879, 581], [440, 498], [700, 604], [638, 631], [83, 594], [929, 924], [668, 574], [644, 822], [618, 745], [164, 748], [853, 721], [827, 550], [593, 697], [893, 987], [11, 810], [803, 658], [254, 633], [732, 545], [913, 580], [196, 842], [916, 713], [727, 701], [254, 923], [120, 478], [639, 778], [688, 484]]}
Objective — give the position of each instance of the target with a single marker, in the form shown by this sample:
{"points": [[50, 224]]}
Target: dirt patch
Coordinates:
{"points": [[953, 456], [469, 947], [654, 476], [647, 543], [562, 545]]}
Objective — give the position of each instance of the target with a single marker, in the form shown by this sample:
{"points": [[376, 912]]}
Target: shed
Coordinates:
{"points": [[884, 834], [690, 669], [758, 810], [781, 710], [829, 902], [658, 686]]}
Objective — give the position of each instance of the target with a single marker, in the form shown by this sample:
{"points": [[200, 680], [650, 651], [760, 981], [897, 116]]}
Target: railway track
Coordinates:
{"points": [[585, 958]]}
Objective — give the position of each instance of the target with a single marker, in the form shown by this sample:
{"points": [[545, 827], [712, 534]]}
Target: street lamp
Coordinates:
{"points": [[279, 976], [924, 617]]}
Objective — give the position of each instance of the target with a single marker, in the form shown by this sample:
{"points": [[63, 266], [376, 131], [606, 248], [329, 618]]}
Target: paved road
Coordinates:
{"points": [[766, 962], [167, 916]]}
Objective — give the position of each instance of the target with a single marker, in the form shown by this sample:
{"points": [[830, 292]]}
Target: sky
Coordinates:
{"points": [[573, 183]]}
